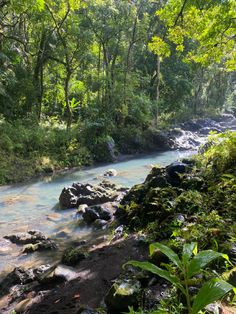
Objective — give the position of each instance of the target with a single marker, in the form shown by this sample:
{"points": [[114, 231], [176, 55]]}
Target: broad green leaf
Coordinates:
{"points": [[160, 272], [168, 252], [212, 291], [188, 251], [201, 260]]}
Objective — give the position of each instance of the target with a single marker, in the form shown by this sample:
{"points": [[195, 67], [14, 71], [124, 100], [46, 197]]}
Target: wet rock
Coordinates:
{"points": [[100, 224], [62, 234], [31, 236], [103, 212], [73, 256], [97, 212], [57, 274], [19, 291], [90, 215], [33, 240], [158, 140], [82, 208], [19, 276], [123, 294], [191, 125], [88, 194], [68, 198], [207, 130], [110, 173], [40, 246]]}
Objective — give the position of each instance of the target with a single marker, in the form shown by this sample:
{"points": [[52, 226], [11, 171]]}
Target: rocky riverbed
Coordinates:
{"points": [[88, 274]]}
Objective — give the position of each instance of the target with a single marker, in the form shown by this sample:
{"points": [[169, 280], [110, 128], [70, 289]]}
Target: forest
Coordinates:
{"points": [[75, 75], [117, 156]]}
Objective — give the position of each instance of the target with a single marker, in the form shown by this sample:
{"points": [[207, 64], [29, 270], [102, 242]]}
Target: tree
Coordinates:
{"points": [[209, 25]]}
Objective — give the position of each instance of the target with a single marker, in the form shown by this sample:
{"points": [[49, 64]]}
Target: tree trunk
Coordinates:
{"points": [[38, 76], [158, 79], [67, 101]]}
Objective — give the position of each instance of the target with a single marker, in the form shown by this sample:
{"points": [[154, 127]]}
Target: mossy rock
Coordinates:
{"points": [[123, 294], [73, 256], [136, 194]]}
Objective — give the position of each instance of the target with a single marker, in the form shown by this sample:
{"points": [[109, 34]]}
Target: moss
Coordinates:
{"points": [[73, 256]]}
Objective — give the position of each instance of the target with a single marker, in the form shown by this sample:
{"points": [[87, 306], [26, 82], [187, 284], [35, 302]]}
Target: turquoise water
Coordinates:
{"points": [[33, 205]]}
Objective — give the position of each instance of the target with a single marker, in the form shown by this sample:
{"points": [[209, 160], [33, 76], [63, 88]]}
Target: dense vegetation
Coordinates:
{"points": [[182, 210], [107, 69]]}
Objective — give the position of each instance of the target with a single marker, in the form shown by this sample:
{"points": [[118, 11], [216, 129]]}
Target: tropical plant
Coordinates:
{"points": [[189, 265]]}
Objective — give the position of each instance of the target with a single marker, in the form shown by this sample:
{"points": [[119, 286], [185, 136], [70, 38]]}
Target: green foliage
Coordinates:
{"points": [[35, 150], [73, 256], [59, 58], [221, 153], [210, 27], [187, 267]]}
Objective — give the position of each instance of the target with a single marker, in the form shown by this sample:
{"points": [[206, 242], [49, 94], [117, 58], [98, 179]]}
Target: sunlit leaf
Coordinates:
{"points": [[160, 272], [201, 260], [188, 251], [168, 252], [212, 291]]}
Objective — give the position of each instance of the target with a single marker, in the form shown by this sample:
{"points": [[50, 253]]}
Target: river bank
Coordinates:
{"points": [[30, 153], [144, 208]]}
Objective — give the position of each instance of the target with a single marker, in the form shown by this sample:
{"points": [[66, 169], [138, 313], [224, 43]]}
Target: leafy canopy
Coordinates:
{"points": [[209, 27]]}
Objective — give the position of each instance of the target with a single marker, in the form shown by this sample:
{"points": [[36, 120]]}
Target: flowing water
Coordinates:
{"points": [[33, 206]]}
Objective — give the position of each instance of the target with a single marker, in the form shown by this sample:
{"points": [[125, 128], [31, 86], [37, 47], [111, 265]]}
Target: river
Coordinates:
{"points": [[33, 206]]}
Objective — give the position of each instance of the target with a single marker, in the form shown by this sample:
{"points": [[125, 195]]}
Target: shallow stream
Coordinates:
{"points": [[33, 206]]}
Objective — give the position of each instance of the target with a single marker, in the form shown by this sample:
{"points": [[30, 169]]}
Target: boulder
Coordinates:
{"points": [[173, 171], [191, 125], [123, 294], [88, 194], [21, 277], [90, 215], [157, 178], [82, 208], [103, 212], [33, 241], [110, 173], [207, 130], [97, 212], [31, 236], [100, 224], [73, 256], [40, 246], [68, 199]]}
